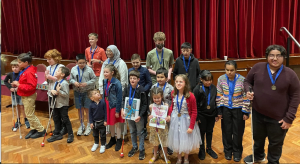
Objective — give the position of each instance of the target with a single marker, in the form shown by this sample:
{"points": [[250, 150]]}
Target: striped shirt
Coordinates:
{"points": [[239, 99]]}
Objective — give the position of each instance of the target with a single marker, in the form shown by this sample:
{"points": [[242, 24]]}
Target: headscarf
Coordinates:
{"points": [[116, 57]]}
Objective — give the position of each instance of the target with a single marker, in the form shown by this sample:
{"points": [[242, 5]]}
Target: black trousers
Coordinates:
{"points": [[102, 130], [146, 114], [263, 127], [233, 127], [206, 129], [61, 118]]}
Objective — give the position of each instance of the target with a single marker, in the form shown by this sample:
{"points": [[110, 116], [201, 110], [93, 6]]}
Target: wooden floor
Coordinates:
{"points": [[16, 150]]}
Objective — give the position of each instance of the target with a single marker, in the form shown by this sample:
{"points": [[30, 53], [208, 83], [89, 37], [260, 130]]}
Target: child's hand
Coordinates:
{"points": [[105, 123], [189, 131], [12, 89], [138, 119], [220, 117], [117, 115], [245, 117], [54, 92], [92, 125], [58, 87], [15, 84], [217, 119], [199, 121], [123, 113], [150, 117], [168, 119], [47, 72], [83, 84], [76, 84]]}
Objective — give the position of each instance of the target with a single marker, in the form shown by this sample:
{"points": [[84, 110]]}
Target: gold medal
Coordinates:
{"points": [[179, 115], [129, 108], [273, 87], [208, 107]]}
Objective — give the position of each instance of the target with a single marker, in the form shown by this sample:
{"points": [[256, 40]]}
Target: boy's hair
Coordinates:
{"points": [[54, 54], [112, 68], [93, 34], [135, 56], [80, 56], [156, 90], [186, 91], [231, 62], [186, 45], [14, 63], [280, 48], [159, 36], [206, 75], [25, 57], [162, 70], [134, 73], [90, 93], [65, 71]]}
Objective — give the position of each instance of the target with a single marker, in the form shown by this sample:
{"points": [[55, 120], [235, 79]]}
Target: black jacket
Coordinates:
{"points": [[193, 71], [139, 94], [201, 98], [9, 79]]}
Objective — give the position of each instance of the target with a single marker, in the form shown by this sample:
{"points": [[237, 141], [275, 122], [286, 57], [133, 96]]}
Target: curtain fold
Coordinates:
{"points": [[215, 28]]}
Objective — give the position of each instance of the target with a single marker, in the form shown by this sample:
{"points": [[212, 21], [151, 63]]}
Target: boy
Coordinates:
{"points": [[137, 126], [60, 90], [159, 57], [26, 83], [187, 64], [145, 81], [83, 79], [95, 56], [98, 119], [10, 78]]}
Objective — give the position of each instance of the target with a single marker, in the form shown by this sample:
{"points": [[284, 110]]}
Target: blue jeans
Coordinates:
{"points": [[137, 128]]}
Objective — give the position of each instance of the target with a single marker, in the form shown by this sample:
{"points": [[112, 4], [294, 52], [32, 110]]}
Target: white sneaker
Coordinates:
{"points": [[102, 149], [95, 146], [80, 130], [87, 130]]}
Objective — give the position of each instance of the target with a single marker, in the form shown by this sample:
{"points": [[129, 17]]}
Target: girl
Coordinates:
{"points": [[157, 95], [113, 99], [205, 94], [184, 134], [233, 108]]}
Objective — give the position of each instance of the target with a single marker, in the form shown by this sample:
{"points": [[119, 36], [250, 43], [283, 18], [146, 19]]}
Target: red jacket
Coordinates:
{"points": [[192, 108], [28, 82]]}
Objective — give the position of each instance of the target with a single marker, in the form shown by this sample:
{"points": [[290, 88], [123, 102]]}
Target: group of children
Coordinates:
{"points": [[194, 104]]}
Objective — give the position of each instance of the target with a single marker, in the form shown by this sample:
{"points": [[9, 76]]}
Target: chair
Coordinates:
{"points": [[71, 65], [41, 68]]}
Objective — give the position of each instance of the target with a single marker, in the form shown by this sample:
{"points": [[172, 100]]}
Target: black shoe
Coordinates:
{"points": [[170, 151], [54, 138], [38, 134], [228, 156], [63, 131], [212, 153], [118, 144], [201, 154], [31, 132], [111, 143], [70, 138], [132, 152], [142, 155], [249, 160]]}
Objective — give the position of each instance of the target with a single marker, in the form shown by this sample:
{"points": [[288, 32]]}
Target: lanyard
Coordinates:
{"points": [[186, 68], [17, 79], [79, 79], [93, 52], [106, 87], [113, 62], [179, 107], [59, 83], [54, 70], [231, 89], [14, 76], [131, 97], [162, 56], [278, 73], [208, 97], [164, 86]]}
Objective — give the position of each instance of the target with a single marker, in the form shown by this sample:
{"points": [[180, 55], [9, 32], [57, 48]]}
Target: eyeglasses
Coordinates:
{"points": [[108, 52], [272, 56]]}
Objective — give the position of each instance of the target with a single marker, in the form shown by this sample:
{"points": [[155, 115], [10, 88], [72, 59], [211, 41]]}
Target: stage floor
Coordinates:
{"points": [[16, 150]]}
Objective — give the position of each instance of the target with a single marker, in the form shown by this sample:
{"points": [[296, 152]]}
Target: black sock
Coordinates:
{"points": [[25, 119]]}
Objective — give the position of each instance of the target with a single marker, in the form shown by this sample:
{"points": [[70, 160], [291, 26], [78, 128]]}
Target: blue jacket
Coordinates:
{"points": [[145, 78], [114, 94]]}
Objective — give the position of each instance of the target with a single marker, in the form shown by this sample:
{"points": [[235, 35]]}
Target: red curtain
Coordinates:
{"points": [[215, 28]]}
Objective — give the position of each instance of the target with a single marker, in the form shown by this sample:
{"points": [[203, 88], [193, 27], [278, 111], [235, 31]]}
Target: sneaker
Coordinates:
{"points": [[201, 154], [102, 149], [38, 134], [54, 138], [211, 153], [27, 124], [170, 151], [228, 156], [16, 126], [132, 151], [249, 160], [142, 155], [111, 143], [94, 148], [118, 144], [87, 130], [70, 138], [80, 130]]}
